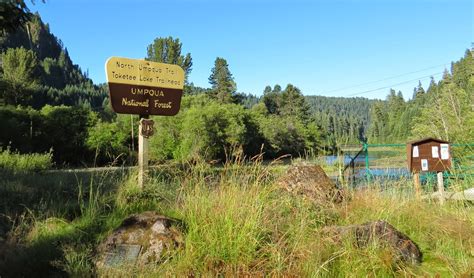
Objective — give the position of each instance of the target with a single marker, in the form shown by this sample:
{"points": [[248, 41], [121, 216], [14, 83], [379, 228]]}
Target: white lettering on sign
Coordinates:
{"points": [[416, 152], [434, 152], [424, 165], [444, 151]]}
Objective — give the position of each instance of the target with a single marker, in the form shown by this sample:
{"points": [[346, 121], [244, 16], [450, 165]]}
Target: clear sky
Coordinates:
{"points": [[322, 47]]}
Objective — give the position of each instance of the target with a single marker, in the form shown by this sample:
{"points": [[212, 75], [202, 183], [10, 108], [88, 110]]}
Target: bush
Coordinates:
{"points": [[65, 129], [108, 141], [207, 129]]}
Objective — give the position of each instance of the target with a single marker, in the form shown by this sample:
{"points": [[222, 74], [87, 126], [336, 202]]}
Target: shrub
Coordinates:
{"points": [[65, 129], [108, 141], [207, 129]]}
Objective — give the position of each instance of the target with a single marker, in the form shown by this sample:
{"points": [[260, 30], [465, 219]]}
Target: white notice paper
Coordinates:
{"points": [[416, 153], [444, 151], [434, 151], [424, 165]]}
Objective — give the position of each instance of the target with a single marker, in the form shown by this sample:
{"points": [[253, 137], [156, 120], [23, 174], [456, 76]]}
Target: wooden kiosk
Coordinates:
{"points": [[428, 155]]}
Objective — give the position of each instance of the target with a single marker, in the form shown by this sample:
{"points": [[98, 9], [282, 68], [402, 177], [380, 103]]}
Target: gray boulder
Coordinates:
{"points": [[405, 249], [311, 182], [141, 239]]}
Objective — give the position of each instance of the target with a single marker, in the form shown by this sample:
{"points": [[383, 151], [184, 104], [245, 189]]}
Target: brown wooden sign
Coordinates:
{"points": [[428, 155], [144, 87]]}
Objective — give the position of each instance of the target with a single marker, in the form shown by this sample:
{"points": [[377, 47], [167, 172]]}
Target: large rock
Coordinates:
{"points": [[405, 250], [312, 182], [141, 239]]}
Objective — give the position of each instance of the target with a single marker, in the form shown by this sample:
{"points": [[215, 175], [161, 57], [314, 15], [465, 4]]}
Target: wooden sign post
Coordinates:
{"points": [[145, 131], [144, 88], [417, 184], [440, 187]]}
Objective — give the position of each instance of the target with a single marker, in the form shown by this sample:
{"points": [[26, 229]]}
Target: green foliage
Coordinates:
{"points": [[65, 129], [168, 50], [205, 128], [452, 99], [443, 111], [294, 104], [14, 14], [55, 66], [223, 226], [284, 119], [19, 75], [222, 82], [386, 123], [449, 122], [38, 71], [108, 141], [21, 163], [19, 129]]}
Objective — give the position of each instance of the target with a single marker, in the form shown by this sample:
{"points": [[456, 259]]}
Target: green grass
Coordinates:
{"points": [[21, 163], [235, 221]]}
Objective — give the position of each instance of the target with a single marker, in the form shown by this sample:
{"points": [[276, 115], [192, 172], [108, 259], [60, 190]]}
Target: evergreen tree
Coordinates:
{"points": [[223, 85], [168, 50], [19, 75], [418, 91], [272, 100], [446, 114], [267, 90], [14, 14], [294, 104], [277, 88]]}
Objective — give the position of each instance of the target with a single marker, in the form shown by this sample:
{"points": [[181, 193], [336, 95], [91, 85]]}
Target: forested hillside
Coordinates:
{"points": [[345, 120], [47, 100], [50, 104], [445, 110], [37, 70]]}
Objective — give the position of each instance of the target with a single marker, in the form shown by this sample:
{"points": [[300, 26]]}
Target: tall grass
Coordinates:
{"points": [[20, 163], [237, 222]]}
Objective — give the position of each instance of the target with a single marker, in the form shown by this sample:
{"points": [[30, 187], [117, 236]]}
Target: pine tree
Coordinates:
{"points": [[19, 75], [418, 91], [272, 100], [168, 50], [293, 103], [223, 85], [14, 15]]}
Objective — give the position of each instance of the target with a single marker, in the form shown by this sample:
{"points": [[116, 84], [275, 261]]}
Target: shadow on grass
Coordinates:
{"points": [[43, 256], [28, 201], [50, 222]]}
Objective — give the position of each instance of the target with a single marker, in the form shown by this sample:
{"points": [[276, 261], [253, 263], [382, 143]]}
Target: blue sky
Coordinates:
{"points": [[322, 47]]}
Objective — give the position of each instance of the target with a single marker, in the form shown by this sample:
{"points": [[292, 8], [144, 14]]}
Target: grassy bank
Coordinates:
{"points": [[236, 222]]}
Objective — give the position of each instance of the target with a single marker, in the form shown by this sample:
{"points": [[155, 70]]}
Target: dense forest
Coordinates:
{"points": [[445, 110], [49, 104]]}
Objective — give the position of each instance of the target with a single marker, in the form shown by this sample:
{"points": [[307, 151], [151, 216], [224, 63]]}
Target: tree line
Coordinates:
{"points": [[445, 110], [48, 102]]}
